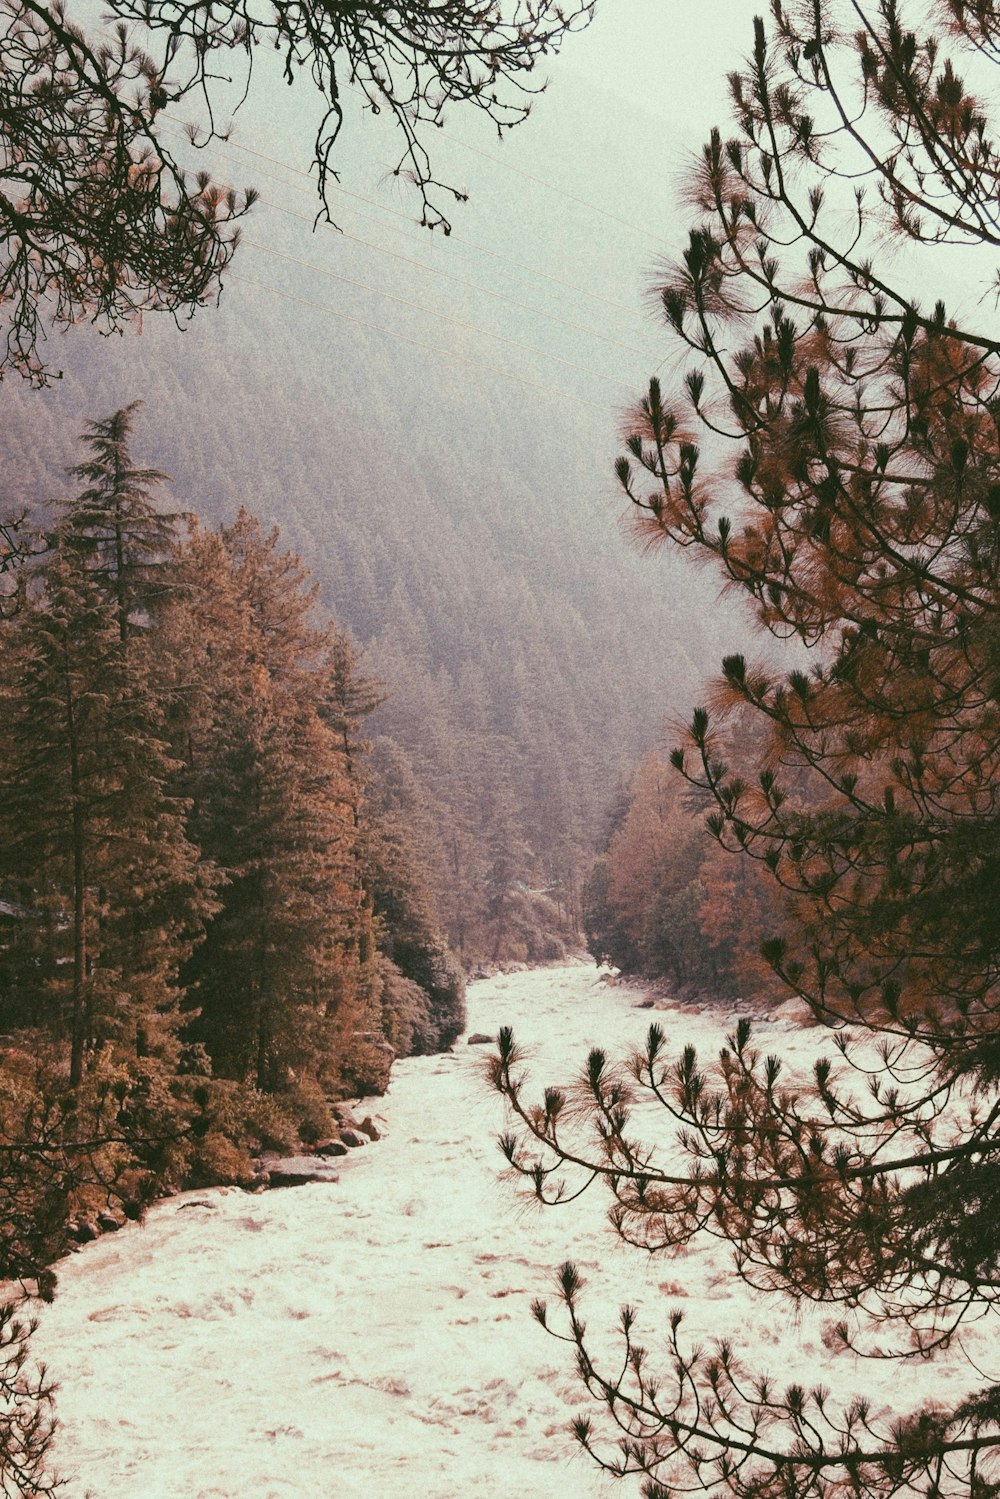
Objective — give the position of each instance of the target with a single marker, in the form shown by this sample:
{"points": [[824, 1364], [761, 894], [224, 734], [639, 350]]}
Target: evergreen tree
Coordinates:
{"points": [[348, 698], [26, 1421], [95, 836], [860, 514], [277, 979], [410, 937], [274, 967], [123, 537]]}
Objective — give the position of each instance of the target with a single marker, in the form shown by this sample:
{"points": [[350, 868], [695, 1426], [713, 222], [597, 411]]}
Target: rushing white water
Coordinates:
{"points": [[373, 1339]]}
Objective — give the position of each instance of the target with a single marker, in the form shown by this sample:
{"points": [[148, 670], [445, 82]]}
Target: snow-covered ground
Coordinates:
{"points": [[373, 1339]]}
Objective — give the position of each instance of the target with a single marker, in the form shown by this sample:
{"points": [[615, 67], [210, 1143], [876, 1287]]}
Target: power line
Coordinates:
{"points": [[535, 271], [553, 187]]}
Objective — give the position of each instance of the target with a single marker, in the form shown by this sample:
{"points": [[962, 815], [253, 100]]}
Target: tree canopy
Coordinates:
{"points": [[848, 483], [102, 215]]}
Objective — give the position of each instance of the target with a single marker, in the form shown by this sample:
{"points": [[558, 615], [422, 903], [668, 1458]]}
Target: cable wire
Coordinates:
{"points": [[223, 146]]}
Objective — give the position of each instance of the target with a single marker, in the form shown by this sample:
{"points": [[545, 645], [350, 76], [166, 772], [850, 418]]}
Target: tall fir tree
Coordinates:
{"points": [[849, 488], [277, 979], [95, 838], [122, 535]]}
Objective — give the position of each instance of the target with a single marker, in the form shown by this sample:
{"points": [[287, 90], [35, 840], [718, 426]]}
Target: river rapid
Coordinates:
{"points": [[372, 1339]]}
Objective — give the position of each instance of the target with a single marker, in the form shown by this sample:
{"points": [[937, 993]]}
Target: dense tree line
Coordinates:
{"points": [[209, 930], [850, 488], [184, 792], [664, 901]]}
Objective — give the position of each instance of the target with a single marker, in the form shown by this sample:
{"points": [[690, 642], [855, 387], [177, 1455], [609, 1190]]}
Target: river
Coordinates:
{"points": [[372, 1339]]}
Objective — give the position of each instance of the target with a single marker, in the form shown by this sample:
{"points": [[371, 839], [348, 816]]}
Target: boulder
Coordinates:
{"points": [[370, 1128], [298, 1170], [795, 1010], [83, 1230], [330, 1147], [479, 1038], [107, 1222], [353, 1138]]}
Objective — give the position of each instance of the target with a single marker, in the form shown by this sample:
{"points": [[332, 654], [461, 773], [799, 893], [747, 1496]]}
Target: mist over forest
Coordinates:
{"points": [[431, 422]]}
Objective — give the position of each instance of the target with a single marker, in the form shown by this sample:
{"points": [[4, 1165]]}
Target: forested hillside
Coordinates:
{"points": [[462, 526]]}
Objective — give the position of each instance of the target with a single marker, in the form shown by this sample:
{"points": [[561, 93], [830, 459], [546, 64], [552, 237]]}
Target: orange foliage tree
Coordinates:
{"points": [[666, 902]]}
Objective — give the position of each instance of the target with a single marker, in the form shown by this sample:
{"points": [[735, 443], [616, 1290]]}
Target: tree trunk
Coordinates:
{"points": [[80, 1018]]}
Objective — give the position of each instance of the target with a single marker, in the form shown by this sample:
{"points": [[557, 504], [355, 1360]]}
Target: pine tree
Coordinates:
{"points": [[348, 698], [435, 783], [95, 837], [860, 515], [410, 936], [26, 1399], [123, 537], [277, 979]]}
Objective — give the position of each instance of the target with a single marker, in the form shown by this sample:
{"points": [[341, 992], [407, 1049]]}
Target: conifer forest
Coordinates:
{"points": [[500, 635]]}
